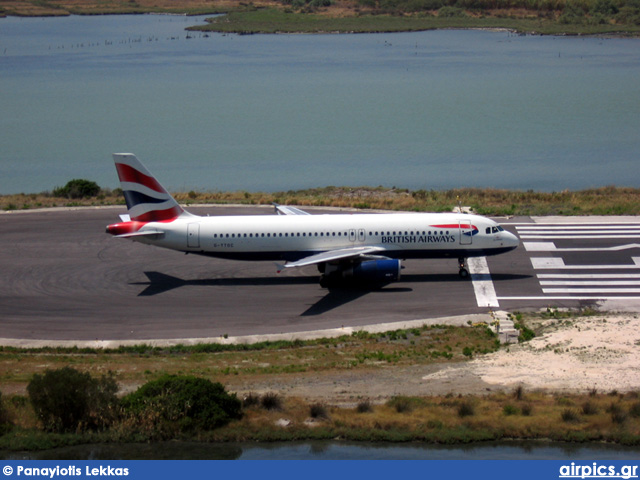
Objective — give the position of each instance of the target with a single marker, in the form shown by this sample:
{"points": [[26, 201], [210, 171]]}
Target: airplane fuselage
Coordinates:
{"points": [[366, 247], [290, 238]]}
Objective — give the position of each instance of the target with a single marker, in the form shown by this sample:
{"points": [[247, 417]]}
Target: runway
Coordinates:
{"points": [[63, 278]]}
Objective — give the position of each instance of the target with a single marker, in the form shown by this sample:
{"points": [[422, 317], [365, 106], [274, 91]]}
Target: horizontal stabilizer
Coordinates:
{"points": [[286, 210], [146, 233]]}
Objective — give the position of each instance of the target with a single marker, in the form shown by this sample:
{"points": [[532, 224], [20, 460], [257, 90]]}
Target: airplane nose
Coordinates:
{"points": [[512, 240]]}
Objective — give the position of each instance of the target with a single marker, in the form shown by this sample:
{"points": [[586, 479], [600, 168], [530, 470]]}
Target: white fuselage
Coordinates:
{"points": [[291, 237]]}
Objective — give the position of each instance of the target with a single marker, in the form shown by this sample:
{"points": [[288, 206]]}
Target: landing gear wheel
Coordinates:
{"points": [[464, 272]]}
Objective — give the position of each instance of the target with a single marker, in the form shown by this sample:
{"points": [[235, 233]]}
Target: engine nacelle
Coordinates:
{"points": [[370, 271], [377, 271]]}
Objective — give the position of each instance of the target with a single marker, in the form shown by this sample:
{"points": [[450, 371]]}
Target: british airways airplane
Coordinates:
{"points": [[345, 248]]}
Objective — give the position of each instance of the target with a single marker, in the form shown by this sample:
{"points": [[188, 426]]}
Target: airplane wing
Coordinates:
{"points": [[285, 210], [333, 255]]}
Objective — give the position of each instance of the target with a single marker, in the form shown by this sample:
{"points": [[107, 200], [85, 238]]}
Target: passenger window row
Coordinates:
{"points": [[323, 234], [270, 235]]}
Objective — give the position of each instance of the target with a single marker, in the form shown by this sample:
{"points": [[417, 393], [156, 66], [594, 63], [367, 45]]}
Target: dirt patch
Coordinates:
{"points": [[573, 355]]}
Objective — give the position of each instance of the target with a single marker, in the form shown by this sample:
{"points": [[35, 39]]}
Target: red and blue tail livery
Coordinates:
{"points": [[147, 200], [344, 248]]}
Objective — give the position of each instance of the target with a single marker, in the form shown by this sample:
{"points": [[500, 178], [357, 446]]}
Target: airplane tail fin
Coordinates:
{"points": [[147, 200]]}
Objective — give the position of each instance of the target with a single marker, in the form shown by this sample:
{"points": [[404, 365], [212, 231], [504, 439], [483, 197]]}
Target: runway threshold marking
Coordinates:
{"points": [[574, 286]]}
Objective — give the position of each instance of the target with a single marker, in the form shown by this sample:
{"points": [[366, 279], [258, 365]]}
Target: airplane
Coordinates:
{"points": [[345, 248]]}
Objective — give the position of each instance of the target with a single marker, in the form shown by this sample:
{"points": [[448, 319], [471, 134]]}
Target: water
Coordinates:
{"points": [[327, 450], [418, 110]]}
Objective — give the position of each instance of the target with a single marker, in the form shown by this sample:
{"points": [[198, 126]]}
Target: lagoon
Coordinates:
{"points": [[333, 450], [437, 109]]}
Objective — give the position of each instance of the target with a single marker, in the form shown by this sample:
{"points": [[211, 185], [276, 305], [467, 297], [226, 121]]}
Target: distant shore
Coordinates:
{"points": [[593, 17], [489, 201]]}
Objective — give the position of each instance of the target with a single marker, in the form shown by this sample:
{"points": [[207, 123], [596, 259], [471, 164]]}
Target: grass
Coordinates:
{"points": [[240, 363], [517, 414], [272, 20], [436, 419], [489, 201]]}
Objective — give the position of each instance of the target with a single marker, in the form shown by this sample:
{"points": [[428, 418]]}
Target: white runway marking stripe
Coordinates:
{"points": [[482, 282], [551, 247], [590, 283], [591, 290], [588, 275], [578, 232], [553, 263], [578, 227], [576, 237], [567, 297]]}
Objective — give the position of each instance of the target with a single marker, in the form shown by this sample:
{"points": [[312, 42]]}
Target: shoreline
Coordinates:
{"points": [[604, 201], [266, 17]]}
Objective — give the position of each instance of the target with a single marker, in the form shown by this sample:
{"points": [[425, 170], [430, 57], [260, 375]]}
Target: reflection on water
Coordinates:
{"points": [[331, 450]]}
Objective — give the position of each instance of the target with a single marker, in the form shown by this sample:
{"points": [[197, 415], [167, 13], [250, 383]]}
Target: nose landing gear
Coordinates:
{"points": [[464, 269]]}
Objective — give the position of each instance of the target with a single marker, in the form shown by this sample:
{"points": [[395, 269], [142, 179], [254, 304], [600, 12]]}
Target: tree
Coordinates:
{"points": [[77, 188], [67, 400]]}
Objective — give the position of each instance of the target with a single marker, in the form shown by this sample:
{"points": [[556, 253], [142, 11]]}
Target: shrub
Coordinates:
{"points": [[317, 410], [618, 415], [527, 410], [570, 415], [634, 410], [526, 333], [401, 404], [67, 400], [5, 424], [509, 410], [518, 392], [250, 400], [187, 402], [77, 188], [271, 401], [364, 407], [589, 408], [466, 409]]}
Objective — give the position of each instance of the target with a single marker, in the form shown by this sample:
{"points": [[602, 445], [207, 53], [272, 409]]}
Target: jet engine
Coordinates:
{"points": [[380, 271]]}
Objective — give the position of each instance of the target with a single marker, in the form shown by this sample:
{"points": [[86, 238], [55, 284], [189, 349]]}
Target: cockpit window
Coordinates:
{"points": [[495, 229]]}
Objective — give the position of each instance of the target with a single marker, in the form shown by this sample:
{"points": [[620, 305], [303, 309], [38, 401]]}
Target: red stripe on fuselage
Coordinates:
{"points": [[455, 225], [130, 174]]}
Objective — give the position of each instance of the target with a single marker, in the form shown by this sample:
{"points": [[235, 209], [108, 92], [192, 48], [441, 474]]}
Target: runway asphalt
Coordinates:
{"points": [[63, 278]]}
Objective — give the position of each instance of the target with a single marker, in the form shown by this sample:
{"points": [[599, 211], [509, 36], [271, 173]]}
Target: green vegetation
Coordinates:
{"points": [[195, 414], [67, 400], [555, 22], [173, 404], [595, 201], [552, 17], [77, 188], [178, 394]]}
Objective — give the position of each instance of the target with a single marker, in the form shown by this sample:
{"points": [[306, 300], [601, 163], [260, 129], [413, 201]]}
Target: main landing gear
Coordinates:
{"points": [[464, 270]]}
